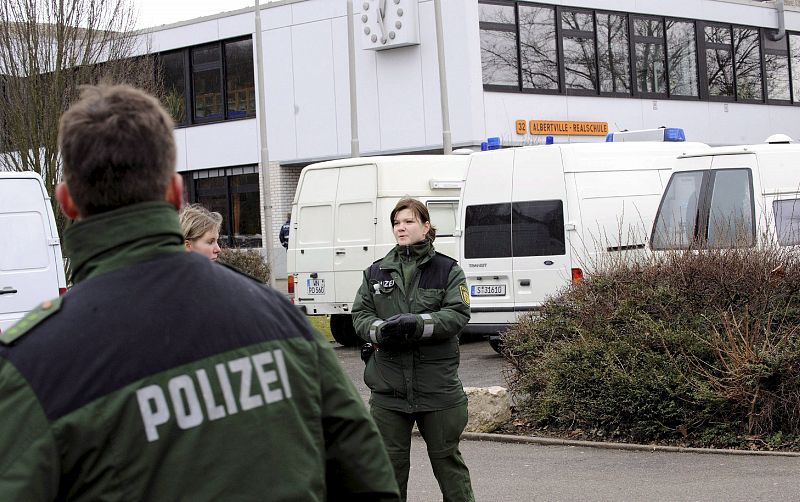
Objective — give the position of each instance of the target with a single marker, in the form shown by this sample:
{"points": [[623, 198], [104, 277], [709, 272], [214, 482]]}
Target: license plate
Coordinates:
{"points": [[316, 286], [496, 290]]}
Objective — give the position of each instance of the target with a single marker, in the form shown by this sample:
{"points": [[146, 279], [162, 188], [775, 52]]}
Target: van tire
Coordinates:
{"points": [[497, 344], [343, 331]]}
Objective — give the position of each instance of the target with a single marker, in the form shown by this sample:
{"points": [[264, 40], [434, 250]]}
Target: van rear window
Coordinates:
{"points": [[536, 228]]}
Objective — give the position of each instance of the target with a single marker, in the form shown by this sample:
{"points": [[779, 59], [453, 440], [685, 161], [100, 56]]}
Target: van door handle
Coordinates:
{"points": [[340, 251], [524, 282], [8, 290]]}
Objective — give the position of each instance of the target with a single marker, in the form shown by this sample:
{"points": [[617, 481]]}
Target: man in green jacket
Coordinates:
{"points": [[412, 305], [162, 375]]}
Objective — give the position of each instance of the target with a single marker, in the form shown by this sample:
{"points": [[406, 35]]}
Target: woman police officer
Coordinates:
{"points": [[412, 305]]}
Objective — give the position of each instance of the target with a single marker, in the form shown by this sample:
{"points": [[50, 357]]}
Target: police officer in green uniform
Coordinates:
{"points": [[162, 375], [412, 305]]}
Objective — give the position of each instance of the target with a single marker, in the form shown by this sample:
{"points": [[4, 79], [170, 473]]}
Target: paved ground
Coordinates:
{"points": [[530, 472]]}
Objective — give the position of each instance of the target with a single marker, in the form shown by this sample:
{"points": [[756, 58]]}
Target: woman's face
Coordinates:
{"points": [[407, 228], [207, 245]]}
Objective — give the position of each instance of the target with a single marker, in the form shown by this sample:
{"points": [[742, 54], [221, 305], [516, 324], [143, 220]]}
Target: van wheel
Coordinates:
{"points": [[343, 331], [496, 344]]}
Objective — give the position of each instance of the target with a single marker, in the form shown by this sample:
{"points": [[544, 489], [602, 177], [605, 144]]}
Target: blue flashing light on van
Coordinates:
{"points": [[667, 134]]}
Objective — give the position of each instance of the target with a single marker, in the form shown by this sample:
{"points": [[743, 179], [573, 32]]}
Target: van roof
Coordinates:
{"points": [[390, 160], [745, 149], [19, 174]]}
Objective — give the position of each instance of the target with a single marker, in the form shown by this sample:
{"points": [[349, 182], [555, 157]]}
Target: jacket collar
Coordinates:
{"points": [[422, 250], [122, 237]]}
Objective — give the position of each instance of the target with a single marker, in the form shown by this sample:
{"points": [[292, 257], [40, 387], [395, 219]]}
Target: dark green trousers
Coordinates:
{"points": [[441, 431]]}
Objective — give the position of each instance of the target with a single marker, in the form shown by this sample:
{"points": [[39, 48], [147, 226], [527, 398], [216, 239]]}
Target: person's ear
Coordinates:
{"points": [[188, 244], [174, 193], [65, 201]]}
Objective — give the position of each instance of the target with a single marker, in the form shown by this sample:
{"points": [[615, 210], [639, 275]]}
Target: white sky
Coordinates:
{"points": [[157, 12]]}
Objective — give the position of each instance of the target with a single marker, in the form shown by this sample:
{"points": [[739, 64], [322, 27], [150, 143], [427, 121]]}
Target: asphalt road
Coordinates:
{"points": [[524, 472]]}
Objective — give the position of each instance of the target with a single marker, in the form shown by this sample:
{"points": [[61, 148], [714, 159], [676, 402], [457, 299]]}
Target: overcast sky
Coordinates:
{"points": [[158, 12]]}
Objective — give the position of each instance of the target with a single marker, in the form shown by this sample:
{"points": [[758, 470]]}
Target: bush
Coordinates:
{"points": [[249, 261], [686, 347]]}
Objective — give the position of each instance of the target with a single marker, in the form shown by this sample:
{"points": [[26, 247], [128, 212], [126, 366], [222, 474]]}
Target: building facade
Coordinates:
{"points": [[517, 70]]}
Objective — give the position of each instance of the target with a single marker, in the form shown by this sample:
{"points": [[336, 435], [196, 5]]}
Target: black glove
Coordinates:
{"points": [[403, 326]]}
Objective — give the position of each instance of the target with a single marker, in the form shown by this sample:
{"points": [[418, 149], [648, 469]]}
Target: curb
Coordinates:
{"points": [[506, 438]]}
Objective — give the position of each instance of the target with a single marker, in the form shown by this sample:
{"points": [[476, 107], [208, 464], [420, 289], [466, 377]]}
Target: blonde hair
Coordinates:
{"points": [[197, 220]]}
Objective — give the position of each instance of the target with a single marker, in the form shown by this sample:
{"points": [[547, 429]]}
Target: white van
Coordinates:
{"points": [[535, 219], [340, 224], [31, 265], [732, 197]]}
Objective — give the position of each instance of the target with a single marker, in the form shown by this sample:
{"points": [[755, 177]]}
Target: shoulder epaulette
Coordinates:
{"points": [[31, 319]]}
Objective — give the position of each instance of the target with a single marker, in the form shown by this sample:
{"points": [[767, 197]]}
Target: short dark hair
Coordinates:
{"points": [[419, 209], [117, 147]]}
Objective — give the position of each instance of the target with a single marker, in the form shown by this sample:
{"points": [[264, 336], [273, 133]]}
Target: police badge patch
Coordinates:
{"points": [[464, 294]]}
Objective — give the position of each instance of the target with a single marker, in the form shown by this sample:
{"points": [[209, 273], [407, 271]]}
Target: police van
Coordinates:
{"points": [[340, 224], [736, 196], [31, 265], [522, 222], [536, 219]]}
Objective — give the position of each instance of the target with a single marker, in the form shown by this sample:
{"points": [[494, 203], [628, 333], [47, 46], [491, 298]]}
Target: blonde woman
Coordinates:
{"points": [[201, 230]]}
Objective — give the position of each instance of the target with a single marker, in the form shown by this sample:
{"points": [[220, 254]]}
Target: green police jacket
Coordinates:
{"points": [[423, 375], [164, 376]]}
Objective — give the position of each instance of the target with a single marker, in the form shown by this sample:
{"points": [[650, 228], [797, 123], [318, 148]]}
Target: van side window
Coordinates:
{"points": [[676, 219], [443, 217], [787, 221], [730, 216], [487, 231], [538, 228]]}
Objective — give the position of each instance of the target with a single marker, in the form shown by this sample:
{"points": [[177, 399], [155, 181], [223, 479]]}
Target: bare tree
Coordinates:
{"points": [[48, 49]]}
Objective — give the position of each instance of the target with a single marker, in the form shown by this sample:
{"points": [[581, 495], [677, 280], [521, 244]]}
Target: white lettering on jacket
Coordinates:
{"points": [[182, 399]]}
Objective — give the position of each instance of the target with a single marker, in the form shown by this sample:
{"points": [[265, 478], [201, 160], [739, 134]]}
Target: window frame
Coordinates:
{"points": [[778, 52], [561, 33]]}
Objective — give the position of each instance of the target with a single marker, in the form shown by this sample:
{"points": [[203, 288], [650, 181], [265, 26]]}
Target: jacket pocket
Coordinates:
{"points": [[430, 300], [382, 376]]}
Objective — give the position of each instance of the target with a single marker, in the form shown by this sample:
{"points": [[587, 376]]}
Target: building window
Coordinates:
{"points": [[173, 73], [538, 49], [648, 40], [612, 53], [776, 69], [234, 193], [794, 54], [240, 85], [719, 61], [207, 82], [747, 64], [580, 60], [499, 62], [682, 58]]}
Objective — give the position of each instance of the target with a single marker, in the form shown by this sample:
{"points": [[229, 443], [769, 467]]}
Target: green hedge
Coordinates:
{"points": [[687, 348], [249, 261]]}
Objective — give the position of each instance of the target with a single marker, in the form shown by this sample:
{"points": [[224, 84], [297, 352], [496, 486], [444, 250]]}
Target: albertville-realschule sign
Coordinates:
{"points": [[562, 127]]}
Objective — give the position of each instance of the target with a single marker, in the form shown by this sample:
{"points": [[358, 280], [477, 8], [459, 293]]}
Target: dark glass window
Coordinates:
{"points": [[730, 217], [245, 210], [207, 82], [648, 37], [776, 68], [173, 72], [537, 40], [577, 39], [682, 58], [747, 64], [498, 32], [677, 216], [719, 61], [787, 221], [234, 193], [612, 53], [794, 55], [240, 80], [538, 228], [487, 231]]}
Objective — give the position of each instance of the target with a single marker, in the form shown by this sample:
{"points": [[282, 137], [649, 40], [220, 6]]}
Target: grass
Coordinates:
{"points": [[322, 323]]}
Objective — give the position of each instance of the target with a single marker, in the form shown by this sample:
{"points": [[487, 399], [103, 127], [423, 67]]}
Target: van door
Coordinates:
{"points": [[314, 241], [29, 272], [486, 243], [354, 241], [542, 259]]}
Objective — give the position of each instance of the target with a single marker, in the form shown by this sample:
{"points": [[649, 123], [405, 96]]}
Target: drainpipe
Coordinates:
{"points": [[778, 35], [447, 143], [351, 58]]}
